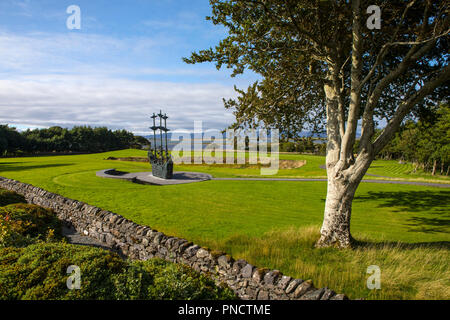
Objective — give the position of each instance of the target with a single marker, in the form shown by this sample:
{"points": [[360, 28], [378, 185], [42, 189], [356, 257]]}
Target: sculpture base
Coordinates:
{"points": [[163, 171], [179, 177]]}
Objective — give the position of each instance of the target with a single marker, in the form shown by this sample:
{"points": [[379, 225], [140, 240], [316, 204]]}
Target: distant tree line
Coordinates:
{"points": [[303, 145], [82, 139], [426, 143]]}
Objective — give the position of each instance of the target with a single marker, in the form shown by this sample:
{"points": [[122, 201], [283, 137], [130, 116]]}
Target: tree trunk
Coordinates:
{"points": [[434, 167], [335, 229], [342, 185]]}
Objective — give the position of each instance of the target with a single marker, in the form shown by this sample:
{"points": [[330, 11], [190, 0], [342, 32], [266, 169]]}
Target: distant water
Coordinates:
{"points": [[172, 144], [205, 143]]}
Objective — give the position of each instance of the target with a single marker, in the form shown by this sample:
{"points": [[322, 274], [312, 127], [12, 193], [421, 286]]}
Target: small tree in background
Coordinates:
{"points": [[425, 143]]}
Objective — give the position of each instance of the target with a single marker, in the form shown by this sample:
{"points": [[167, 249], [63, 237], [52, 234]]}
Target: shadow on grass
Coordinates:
{"points": [[434, 206], [15, 166], [411, 201]]}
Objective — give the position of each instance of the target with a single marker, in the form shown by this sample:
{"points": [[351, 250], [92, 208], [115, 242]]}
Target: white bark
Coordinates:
{"points": [[345, 173], [338, 209], [342, 185]]}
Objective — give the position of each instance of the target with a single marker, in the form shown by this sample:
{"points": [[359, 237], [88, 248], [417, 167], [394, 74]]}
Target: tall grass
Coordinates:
{"points": [[408, 271]]}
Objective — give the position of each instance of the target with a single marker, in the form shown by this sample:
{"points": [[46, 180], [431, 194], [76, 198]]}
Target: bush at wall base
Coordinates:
{"points": [[39, 271], [23, 224]]}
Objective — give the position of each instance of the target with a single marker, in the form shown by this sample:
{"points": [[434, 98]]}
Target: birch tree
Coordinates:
{"points": [[358, 63]]}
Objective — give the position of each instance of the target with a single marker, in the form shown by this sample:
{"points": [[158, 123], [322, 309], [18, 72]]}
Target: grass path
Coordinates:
{"points": [[416, 183]]}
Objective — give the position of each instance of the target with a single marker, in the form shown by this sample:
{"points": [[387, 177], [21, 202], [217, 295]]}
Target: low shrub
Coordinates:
{"points": [[170, 281], [39, 271], [10, 197], [22, 224]]}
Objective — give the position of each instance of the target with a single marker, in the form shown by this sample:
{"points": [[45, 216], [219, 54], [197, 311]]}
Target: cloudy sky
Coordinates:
{"points": [[122, 65]]}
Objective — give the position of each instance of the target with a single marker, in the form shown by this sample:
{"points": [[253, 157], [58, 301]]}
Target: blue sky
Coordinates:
{"points": [[123, 64]]}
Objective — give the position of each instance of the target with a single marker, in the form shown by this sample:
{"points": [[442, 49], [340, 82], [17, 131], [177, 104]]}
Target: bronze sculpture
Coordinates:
{"points": [[160, 158]]}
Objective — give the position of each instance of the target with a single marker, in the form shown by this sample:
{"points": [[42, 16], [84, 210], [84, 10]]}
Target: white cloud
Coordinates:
{"points": [[37, 52], [77, 100], [71, 79]]}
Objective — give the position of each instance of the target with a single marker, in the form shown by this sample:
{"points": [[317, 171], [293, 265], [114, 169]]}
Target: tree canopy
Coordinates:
{"points": [[57, 139], [294, 44], [328, 59]]}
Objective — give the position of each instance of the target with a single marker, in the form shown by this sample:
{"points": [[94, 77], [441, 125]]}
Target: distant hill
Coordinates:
{"points": [[169, 135]]}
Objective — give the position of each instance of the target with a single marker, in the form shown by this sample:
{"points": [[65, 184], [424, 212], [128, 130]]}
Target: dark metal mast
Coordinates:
{"points": [[165, 130], [160, 135], [154, 133]]}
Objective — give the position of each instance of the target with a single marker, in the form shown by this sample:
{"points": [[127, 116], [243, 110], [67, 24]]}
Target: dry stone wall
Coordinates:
{"points": [[141, 242]]}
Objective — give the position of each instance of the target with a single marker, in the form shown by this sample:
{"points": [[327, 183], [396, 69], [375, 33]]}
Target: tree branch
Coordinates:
{"points": [[413, 54], [386, 46], [406, 107], [355, 91]]}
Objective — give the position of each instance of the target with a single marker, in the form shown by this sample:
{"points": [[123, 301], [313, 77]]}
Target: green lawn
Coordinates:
{"points": [[310, 169], [264, 221], [394, 169], [387, 169]]}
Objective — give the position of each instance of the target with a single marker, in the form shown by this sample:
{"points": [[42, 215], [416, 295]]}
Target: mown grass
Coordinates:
{"points": [[405, 171], [385, 169], [266, 222], [310, 169]]}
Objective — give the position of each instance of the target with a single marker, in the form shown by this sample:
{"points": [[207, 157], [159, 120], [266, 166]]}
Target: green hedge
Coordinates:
{"points": [[39, 271], [33, 265], [10, 197], [22, 224]]}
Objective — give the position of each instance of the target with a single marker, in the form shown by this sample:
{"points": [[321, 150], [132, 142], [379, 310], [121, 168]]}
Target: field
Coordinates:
{"points": [[404, 229]]}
